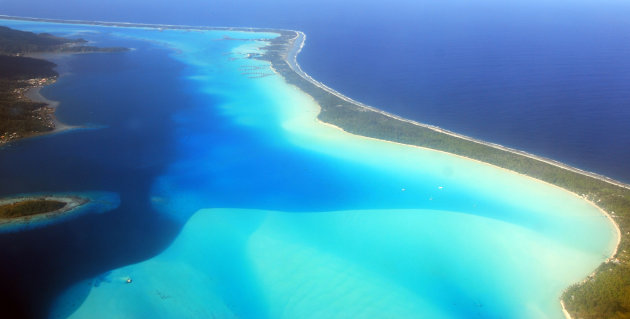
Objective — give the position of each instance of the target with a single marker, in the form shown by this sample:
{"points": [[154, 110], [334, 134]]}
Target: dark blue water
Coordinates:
{"points": [[37, 265], [547, 77], [129, 102], [203, 135]]}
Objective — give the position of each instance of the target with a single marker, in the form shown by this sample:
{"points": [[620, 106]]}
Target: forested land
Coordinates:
{"points": [[29, 207], [20, 117], [606, 294], [16, 42]]}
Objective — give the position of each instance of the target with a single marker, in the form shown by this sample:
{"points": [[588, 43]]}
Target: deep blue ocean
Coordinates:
{"points": [[547, 77], [550, 79]]}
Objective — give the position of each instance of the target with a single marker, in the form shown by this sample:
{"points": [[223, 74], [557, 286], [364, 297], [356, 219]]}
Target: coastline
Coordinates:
{"points": [[603, 212], [12, 224], [76, 204], [299, 71], [43, 120], [141, 25], [291, 59], [566, 313], [294, 47], [34, 94]]}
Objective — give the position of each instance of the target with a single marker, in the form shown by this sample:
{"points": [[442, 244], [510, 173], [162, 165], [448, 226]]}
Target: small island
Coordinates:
{"points": [[25, 208], [23, 112], [29, 207], [26, 211], [603, 294]]}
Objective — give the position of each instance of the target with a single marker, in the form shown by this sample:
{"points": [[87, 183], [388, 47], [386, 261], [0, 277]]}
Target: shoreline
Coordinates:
{"points": [[76, 204], [34, 94], [142, 25], [566, 313], [603, 212], [290, 49], [31, 92], [72, 203], [291, 60]]}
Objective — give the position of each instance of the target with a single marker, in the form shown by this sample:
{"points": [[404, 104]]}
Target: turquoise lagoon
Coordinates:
{"points": [[283, 216]]}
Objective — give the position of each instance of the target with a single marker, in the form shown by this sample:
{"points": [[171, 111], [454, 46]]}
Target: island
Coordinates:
{"points": [[35, 206], [603, 294], [23, 111], [27, 211]]}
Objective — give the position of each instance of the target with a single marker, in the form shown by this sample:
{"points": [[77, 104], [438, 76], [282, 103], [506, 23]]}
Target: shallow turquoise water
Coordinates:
{"points": [[287, 217]]}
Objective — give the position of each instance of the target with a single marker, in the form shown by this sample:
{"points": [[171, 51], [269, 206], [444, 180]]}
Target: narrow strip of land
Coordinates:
{"points": [[32, 208], [298, 44], [604, 294]]}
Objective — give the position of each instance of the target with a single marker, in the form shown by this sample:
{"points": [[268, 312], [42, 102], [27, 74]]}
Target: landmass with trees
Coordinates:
{"points": [[30, 207], [27, 211], [19, 116], [603, 294]]}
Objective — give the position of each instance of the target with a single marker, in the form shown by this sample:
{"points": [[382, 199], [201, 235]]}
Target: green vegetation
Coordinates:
{"points": [[22, 68], [20, 117], [604, 295], [20, 42], [15, 42], [29, 208]]}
